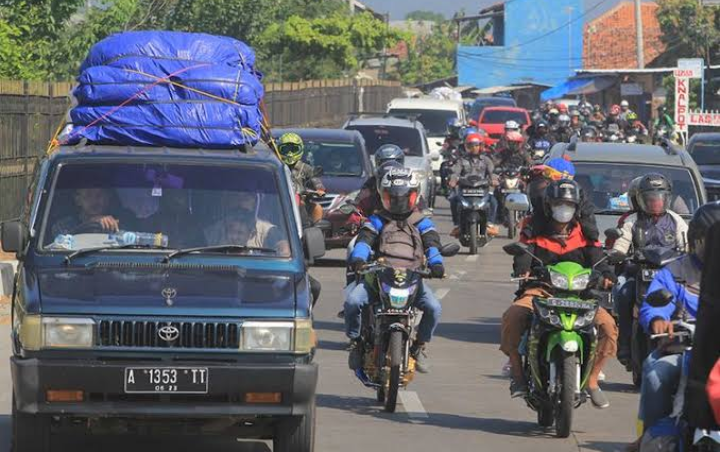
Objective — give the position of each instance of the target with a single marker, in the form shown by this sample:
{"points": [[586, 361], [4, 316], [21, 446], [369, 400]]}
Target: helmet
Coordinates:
{"points": [[575, 114], [515, 137], [563, 120], [563, 108], [381, 170], [541, 125], [554, 111], [589, 133], [654, 188], [291, 148], [474, 139], [615, 110], [399, 191], [562, 198], [387, 153], [453, 127], [512, 125], [469, 131], [624, 104], [633, 192], [631, 117], [559, 168], [703, 219], [597, 108]]}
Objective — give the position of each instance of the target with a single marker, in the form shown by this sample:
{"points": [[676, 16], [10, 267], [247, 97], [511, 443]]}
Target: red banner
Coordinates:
{"points": [[682, 102]]}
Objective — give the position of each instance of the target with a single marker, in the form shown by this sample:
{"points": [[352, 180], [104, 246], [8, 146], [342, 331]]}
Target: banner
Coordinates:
{"points": [[682, 101]]}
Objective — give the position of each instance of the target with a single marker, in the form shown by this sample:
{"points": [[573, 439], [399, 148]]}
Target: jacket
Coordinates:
{"points": [[551, 250], [682, 279], [370, 238], [480, 165], [303, 178], [630, 236]]}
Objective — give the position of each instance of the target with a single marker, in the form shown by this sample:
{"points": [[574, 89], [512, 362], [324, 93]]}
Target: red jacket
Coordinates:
{"points": [[713, 390]]}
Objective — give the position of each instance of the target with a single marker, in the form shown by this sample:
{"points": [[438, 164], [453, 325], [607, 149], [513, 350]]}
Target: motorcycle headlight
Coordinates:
{"points": [[559, 281], [585, 319], [266, 336], [398, 297], [580, 282], [511, 183]]}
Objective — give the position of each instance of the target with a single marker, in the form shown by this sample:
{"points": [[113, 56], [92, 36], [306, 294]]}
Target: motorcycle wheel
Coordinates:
{"points": [[512, 223], [381, 394], [567, 371], [473, 238], [395, 349]]}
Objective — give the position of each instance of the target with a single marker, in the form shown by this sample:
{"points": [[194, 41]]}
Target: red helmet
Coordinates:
{"points": [[474, 138], [563, 108], [515, 137], [615, 110]]}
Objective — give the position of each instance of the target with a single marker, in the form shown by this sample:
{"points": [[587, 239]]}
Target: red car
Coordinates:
{"points": [[493, 119]]}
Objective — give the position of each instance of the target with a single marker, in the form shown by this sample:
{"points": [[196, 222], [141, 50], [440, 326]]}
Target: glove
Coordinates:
{"points": [[357, 265], [437, 271]]}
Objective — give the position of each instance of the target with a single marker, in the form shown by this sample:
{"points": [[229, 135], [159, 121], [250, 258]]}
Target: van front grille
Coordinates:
{"points": [[177, 334]]}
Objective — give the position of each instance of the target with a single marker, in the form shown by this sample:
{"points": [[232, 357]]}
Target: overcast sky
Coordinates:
{"points": [[399, 8]]}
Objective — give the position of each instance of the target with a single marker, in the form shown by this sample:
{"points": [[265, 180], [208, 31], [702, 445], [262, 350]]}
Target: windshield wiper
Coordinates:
{"points": [[342, 174], [211, 249], [82, 251], [610, 212]]}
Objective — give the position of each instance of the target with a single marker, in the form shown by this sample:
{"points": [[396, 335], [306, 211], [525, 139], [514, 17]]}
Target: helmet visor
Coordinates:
{"points": [[399, 203], [654, 202]]}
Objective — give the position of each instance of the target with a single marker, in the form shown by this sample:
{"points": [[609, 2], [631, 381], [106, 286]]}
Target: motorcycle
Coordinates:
{"points": [[642, 265], [511, 182], [474, 201], [679, 433], [613, 134], [559, 349], [388, 327], [345, 220], [450, 156]]}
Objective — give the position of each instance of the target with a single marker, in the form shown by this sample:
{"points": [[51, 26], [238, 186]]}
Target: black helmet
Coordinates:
{"points": [[381, 170], [705, 216], [560, 193], [589, 133], [389, 152], [399, 191], [654, 187], [633, 192], [662, 109]]}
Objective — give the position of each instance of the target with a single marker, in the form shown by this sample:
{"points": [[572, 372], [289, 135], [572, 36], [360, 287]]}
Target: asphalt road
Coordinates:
{"points": [[462, 405]]}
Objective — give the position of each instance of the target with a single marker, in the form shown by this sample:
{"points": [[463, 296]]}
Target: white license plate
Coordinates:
{"points": [[166, 380]]}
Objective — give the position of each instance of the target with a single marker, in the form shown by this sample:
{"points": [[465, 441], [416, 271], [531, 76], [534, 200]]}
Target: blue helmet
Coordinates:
{"points": [[389, 152]]}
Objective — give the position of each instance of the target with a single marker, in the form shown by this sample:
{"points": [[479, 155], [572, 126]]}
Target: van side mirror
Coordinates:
{"points": [[314, 244], [14, 236], [659, 298]]}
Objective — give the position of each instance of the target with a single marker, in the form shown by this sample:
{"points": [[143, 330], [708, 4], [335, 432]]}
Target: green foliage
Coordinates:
{"points": [[668, 83], [425, 16], [689, 28], [430, 58]]}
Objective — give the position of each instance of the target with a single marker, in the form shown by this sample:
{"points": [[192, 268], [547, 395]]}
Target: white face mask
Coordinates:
{"points": [[563, 213]]}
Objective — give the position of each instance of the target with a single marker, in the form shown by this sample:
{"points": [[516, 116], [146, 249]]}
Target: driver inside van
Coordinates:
{"points": [[92, 216]]}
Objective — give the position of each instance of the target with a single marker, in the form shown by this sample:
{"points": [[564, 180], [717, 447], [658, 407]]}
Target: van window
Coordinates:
{"points": [[434, 121], [407, 138]]}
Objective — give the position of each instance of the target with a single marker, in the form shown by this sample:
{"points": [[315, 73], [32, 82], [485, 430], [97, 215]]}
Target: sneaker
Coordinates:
{"points": [[518, 388], [598, 398], [506, 371], [421, 359], [355, 355], [492, 230], [455, 232], [601, 377]]}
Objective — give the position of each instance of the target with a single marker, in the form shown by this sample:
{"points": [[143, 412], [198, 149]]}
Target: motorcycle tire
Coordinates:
{"points": [[512, 224], [473, 238], [395, 350], [381, 394], [567, 370]]}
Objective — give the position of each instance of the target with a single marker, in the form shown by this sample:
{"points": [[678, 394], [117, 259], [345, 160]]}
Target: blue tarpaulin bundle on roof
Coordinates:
{"points": [[157, 88]]}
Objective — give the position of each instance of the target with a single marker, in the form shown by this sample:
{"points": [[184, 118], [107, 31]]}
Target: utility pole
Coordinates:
{"points": [[640, 43]]}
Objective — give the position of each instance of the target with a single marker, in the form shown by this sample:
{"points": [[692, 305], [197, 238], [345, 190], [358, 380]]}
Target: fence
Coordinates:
{"points": [[30, 112]]}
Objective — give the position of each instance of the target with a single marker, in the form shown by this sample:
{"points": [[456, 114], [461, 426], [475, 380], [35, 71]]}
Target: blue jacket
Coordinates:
{"points": [[682, 279]]}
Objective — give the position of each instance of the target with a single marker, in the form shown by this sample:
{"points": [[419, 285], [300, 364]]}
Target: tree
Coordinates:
{"points": [[688, 28], [425, 16], [430, 58]]}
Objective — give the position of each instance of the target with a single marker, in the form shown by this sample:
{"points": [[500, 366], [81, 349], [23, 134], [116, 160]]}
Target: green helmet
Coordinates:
{"points": [[291, 148], [631, 117]]}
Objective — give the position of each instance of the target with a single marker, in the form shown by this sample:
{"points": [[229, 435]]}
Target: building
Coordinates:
{"points": [[357, 7], [533, 42], [610, 40]]}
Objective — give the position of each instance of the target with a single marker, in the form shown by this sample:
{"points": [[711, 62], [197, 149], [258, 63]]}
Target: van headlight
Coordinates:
{"points": [[36, 332], [282, 336]]}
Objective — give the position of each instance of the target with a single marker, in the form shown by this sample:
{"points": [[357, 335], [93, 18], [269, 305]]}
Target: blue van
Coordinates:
{"points": [[165, 288]]}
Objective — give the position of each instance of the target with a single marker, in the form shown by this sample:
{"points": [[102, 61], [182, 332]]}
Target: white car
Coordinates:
{"points": [[434, 114]]}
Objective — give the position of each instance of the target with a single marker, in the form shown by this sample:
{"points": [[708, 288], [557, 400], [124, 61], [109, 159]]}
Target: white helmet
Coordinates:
{"points": [[624, 103], [512, 125]]}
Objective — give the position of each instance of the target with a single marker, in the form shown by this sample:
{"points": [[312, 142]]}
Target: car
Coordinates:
{"points": [[492, 120], [476, 106], [705, 150], [346, 165], [162, 289], [605, 170], [408, 134], [434, 114]]}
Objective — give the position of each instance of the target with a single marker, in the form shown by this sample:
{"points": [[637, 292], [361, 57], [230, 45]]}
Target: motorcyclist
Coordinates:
{"points": [[562, 131], [514, 153], [474, 162], [561, 240], [597, 116], [590, 134], [613, 117], [625, 110], [453, 139], [552, 117], [405, 238], [541, 137], [511, 127], [661, 371], [576, 122], [663, 119], [387, 156], [291, 148], [653, 225]]}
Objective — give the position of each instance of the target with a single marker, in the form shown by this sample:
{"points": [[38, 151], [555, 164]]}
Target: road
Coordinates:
{"points": [[462, 405]]}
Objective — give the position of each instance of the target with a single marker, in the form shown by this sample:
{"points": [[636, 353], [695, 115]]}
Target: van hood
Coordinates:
{"points": [[109, 288]]}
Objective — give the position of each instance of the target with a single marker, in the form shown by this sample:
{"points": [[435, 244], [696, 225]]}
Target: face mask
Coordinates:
{"points": [[563, 213]]}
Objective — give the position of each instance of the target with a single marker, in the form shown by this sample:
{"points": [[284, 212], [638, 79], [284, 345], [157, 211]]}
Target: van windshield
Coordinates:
{"points": [[176, 206], [434, 121], [706, 153]]}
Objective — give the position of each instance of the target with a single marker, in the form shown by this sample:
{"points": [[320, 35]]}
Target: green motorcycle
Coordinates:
{"points": [[559, 349]]}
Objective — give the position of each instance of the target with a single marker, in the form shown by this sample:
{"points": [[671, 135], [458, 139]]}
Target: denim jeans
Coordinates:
{"points": [[425, 301], [661, 376], [624, 302]]}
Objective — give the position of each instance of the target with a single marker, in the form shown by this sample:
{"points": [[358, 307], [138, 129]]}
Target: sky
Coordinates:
{"points": [[399, 8]]}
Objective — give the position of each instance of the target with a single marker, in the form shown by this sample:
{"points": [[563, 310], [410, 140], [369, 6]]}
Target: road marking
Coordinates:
{"points": [[412, 405], [458, 275], [472, 258], [441, 293]]}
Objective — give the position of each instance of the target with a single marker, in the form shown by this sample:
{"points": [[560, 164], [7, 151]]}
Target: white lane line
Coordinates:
{"points": [[412, 405], [472, 258], [441, 293]]}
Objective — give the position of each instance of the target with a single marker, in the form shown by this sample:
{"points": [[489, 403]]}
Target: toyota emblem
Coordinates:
{"points": [[169, 294], [168, 333]]}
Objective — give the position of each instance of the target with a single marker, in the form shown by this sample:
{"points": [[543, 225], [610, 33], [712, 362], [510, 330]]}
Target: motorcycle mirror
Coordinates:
{"points": [[515, 249], [615, 256], [659, 298], [449, 249], [613, 233]]}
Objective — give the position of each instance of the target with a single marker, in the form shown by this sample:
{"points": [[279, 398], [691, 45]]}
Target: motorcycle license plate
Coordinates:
{"points": [[473, 192], [510, 190], [569, 304], [166, 380], [648, 275]]}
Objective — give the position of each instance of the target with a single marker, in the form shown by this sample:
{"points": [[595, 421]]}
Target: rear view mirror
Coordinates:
{"points": [[518, 202], [14, 236], [314, 243], [434, 156], [613, 233], [659, 298], [450, 249], [515, 249]]}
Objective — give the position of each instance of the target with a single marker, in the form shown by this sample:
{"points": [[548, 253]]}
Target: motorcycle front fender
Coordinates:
{"points": [[569, 341]]}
